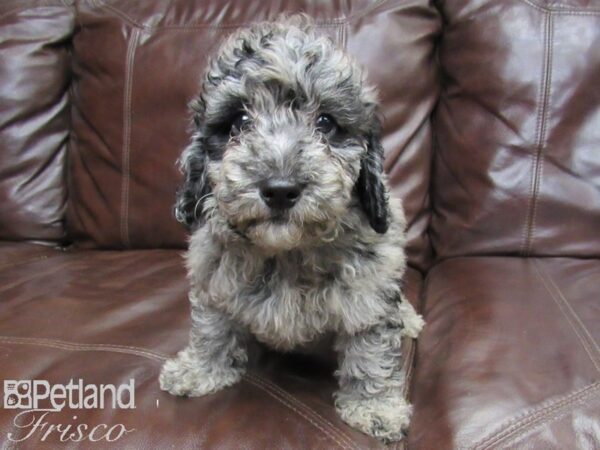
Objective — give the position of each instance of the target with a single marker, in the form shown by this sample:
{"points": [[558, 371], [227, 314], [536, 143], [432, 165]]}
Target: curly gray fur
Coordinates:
{"points": [[331, 263]]}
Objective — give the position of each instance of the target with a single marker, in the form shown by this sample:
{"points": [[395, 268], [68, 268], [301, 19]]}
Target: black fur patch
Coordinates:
{"points": [[370, 188]]}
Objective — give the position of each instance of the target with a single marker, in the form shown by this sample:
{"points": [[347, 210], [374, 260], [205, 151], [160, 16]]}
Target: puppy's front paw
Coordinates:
{"points": [[384, 417], [413, 326], [186, 375], [412, 323]]}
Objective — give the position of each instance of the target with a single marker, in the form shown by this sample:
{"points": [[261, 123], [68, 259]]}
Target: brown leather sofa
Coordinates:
{"points": [[492, 134]]}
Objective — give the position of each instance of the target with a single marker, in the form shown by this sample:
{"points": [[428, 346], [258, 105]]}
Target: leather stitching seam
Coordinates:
{"points": [[343, 35], [557, 414], [409, 363], [543, 131], [567, 303], [297, 411], [563, 9], [307, 409], [570, 317], [308, 413], [536, 416], [72, 346], [334, 22], [127, 119], [537, 160]]}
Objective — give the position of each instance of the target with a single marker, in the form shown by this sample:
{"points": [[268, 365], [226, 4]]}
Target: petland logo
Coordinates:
{"points": [[39, 399]]}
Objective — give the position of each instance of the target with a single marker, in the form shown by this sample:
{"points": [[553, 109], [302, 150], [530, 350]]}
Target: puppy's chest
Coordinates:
{"points": [[292, 303]]}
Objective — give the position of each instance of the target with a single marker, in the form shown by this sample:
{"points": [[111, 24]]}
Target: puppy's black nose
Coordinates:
{"points": [[280, 194]]}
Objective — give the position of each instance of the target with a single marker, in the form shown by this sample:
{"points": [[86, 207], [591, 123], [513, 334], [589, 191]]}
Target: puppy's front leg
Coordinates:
{"points": [[214, 358], [371, 397]]}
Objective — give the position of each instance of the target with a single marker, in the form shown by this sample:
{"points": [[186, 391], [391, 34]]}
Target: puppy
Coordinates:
{"points": [[293, 232]]}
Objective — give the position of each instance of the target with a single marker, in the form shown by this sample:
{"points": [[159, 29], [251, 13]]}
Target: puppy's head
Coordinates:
{"points": [[286, 146]]}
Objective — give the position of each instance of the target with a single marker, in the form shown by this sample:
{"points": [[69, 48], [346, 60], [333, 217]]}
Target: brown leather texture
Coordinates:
{"points": [[137, 314], [517, 129], [510, 356], [16, 253], [137, 65], [34, 118], [492, 138]]}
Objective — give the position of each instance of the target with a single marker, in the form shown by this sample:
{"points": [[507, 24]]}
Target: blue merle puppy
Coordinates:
{"points": [[294, 235]]}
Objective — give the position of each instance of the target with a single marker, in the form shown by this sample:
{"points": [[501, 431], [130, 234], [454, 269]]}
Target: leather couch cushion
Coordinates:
{"points": [[15, 253], [137, 64], [109, 316], [34, 118], [510, 356], [517, 166]]}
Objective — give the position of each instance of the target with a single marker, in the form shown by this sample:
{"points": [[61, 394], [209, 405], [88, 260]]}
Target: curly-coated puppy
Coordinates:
{"points": [[294, 235]]}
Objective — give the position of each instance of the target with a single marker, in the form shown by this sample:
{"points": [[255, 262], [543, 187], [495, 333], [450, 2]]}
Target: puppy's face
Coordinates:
{"points": [[287, 141]]}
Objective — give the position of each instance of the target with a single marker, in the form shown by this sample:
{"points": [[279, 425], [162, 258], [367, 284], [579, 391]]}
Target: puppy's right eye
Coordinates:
{"points": [[326, 124], [239, 123]]}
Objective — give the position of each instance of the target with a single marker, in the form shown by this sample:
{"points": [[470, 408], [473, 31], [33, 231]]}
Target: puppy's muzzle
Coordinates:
{"points": [[280, 194]]}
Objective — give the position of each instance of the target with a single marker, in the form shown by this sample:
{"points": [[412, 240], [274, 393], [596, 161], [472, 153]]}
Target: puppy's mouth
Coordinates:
{"points": [[278, 217], [275, 218], [273, 234], [281, 228]]}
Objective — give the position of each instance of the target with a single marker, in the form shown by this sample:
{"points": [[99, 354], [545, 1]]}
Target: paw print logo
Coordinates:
{"points": [[17, 394]]}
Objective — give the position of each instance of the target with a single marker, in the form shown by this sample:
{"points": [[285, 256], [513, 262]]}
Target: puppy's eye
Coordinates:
{"points": [[326, 124], [239, 123]]}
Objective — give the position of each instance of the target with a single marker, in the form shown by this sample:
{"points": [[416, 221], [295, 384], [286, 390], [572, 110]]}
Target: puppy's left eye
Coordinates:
{"points": [[326, 124], [239, 122]]}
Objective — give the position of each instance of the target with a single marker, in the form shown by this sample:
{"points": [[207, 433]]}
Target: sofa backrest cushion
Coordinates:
{"points": [[517, 166], [34, 118], [138, 64]]}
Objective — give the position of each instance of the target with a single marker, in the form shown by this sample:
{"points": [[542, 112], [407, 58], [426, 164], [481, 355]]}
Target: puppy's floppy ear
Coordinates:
{"points": [[370, 187], [195, 188]]}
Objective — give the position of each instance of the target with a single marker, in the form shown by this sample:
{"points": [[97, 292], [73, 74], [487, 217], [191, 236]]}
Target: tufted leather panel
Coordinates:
{"points": [[138, 64], [34, 118], [517, 167]]}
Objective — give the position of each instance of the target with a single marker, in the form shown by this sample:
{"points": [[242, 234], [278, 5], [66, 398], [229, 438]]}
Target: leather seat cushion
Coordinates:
{"points": [[509, 357], [109, 316]]}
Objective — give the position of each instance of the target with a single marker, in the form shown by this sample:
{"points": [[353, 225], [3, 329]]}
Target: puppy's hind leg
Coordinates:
{"points": [[214, 358], [371, 396]]}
